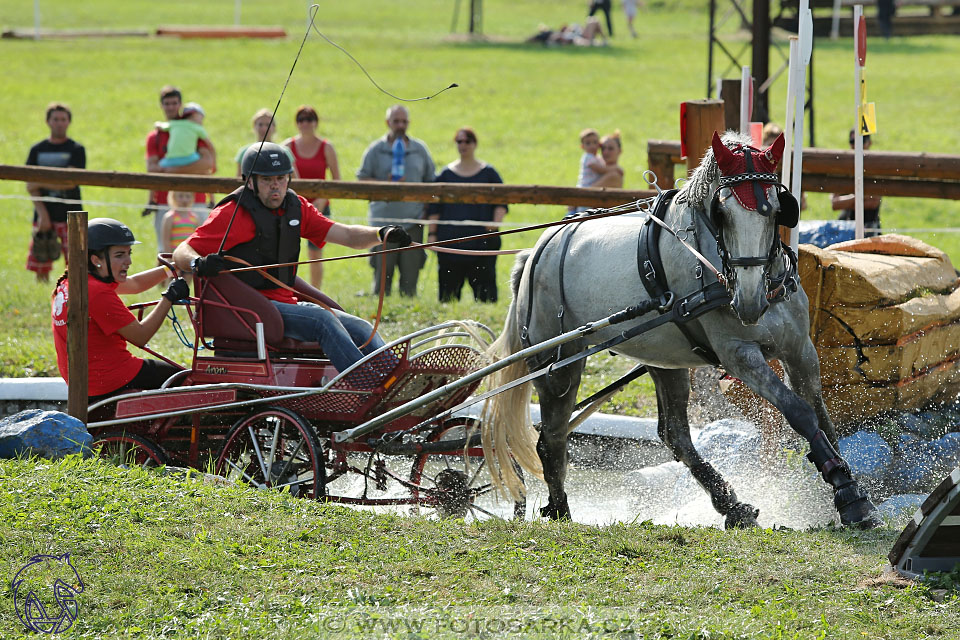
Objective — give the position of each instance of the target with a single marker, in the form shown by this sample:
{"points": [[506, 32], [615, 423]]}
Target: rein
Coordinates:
{"points": [[604, 213]]}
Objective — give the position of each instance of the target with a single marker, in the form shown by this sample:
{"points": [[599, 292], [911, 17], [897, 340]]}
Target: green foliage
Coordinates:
{"points": [[164, 556]]}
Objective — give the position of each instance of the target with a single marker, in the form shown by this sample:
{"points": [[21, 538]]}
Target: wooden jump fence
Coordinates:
{"points": [[337, 189], [886, 173]]}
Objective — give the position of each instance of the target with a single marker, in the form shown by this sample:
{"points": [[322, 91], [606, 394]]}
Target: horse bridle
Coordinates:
{"points": [[764, 208]]}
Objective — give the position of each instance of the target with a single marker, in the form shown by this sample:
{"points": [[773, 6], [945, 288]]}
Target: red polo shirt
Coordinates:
{"points": [[206, 239], [110, 363]]}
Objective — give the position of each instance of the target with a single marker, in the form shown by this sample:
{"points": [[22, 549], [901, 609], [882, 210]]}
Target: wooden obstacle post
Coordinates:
{"points": [[730, 94], [77, 315], [701, 119]]}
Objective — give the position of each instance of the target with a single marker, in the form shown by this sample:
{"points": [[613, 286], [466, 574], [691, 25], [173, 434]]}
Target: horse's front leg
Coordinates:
{"points": [[747, 363], [558, 395], [673, 427], [803, 369]]}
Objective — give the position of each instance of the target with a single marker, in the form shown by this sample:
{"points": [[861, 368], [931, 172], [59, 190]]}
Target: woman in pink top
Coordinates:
{"points": [[313, 156]]}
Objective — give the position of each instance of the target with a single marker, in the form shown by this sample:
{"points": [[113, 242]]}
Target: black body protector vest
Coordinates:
{"points": [[277, 239]]}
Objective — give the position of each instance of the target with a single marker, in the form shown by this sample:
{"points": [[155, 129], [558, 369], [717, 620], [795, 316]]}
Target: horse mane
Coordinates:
{"points": [[698, 187]]}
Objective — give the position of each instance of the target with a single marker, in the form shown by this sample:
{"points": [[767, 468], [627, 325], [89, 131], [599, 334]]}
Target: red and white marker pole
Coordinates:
{"points": [[859, 59], [797, 94]]}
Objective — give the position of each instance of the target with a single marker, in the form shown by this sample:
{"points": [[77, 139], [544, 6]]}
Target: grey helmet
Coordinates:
{"points": [[107, 232], [272, 160]]}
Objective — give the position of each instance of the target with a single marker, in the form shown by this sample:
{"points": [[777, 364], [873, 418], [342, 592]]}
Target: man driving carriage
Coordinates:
{"points": [[262, 224]]}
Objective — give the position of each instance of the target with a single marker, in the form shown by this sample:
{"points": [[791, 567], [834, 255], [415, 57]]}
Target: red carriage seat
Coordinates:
{"points": [[234, 329]]}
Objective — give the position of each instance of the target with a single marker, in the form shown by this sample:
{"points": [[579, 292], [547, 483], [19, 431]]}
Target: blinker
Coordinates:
{"points": [[789, 215]]}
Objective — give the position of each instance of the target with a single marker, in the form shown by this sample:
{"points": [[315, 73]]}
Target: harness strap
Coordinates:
{"points": [[525, 328], [648, 249], [650, 266], [568, 232]]}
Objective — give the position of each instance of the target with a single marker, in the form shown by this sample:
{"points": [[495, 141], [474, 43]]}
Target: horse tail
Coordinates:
{"points": [[507, 432]]}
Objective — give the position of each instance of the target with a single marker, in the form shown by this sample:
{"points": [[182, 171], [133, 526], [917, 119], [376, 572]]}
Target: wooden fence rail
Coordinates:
{"points": [[886, 173], [337, 189]]}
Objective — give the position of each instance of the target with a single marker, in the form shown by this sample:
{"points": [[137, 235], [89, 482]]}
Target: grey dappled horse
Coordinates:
{"points": [[729, 209]]}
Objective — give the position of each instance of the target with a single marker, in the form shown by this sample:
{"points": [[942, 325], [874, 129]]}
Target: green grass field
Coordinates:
{"points": [[165, 558]]}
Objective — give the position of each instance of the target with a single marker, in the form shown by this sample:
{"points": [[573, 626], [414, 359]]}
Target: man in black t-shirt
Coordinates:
{"points": [[49, 210]]}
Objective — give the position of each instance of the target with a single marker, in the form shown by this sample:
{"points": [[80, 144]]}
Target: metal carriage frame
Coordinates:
{"points": [[268, 418]]}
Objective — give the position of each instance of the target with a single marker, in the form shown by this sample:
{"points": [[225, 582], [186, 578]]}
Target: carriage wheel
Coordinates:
{"points": [[274, 449], [446, 485], [130, 449]]}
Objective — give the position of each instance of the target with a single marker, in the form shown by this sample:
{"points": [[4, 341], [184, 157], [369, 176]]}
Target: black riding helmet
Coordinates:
{"points": [[272, 160], [103, 233]]}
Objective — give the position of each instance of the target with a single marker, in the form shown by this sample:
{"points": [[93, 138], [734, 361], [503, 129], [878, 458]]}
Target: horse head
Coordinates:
{"points": [[747, 206]]}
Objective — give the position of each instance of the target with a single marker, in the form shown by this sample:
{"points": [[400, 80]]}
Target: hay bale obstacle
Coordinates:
{"points": [[885, 318]]}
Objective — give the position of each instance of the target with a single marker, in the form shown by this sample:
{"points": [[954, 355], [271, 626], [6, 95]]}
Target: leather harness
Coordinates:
{"points": [[712, 294]]}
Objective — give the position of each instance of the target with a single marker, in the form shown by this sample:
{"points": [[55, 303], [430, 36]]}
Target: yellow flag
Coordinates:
{"points": [[867, 114]]}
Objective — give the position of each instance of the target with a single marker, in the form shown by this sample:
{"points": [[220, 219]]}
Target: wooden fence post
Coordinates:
{"points": [[77, 315], [730, 94], [703, 118]]}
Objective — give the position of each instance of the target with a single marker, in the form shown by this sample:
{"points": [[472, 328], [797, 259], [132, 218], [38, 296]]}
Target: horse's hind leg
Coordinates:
{"points": [[747, 363], [673, 392], [558, 395]]}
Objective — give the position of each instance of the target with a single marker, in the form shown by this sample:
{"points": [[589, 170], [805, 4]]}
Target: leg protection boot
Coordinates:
{"points": [[852, 502]]}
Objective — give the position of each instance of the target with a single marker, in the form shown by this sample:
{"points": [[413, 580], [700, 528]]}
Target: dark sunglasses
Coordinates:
{"points": [[305, 119], [463, 141]]}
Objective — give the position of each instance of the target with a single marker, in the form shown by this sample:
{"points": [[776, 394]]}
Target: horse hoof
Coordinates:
{"points": [[555, 511], [855, 507], [742, 516], [861, 515]]}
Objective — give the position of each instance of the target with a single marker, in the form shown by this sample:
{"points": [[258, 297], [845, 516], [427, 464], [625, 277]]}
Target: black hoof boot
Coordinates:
{"points": [[855, 508], [555, 510], [742, 516]]}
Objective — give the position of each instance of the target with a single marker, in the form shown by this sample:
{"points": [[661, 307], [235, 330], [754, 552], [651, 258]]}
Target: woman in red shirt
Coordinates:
{"points": [[313, 156], [112, 368]]}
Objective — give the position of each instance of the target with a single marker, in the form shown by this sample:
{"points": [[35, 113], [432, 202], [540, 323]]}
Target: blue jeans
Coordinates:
{"points": [[338, 333]]}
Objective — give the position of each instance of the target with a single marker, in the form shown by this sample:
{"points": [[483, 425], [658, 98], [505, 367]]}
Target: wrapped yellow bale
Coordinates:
{"points": [[910, 356], [885, 318], [849, 402]]}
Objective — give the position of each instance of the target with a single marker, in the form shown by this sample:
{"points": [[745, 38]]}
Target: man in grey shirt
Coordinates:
{"points": [[417, 166]]}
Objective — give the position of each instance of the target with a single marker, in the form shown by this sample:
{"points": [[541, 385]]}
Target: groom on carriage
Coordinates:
{"points": [[261, 224]]}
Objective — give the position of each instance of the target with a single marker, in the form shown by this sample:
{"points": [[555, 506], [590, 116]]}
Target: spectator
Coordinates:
{"points": [[264, 128], [49, 216], [185, 133], [610, 150], [630, 10], [399, 157], [570, 34], [846, 203], [591, 167], [479, 271], [179, 221], [171, 102], [313, 156], [886, 10], [602, 5]]}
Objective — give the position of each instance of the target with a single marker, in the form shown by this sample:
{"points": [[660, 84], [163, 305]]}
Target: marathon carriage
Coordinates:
{"points": [[259, 408], [274, 413]]}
